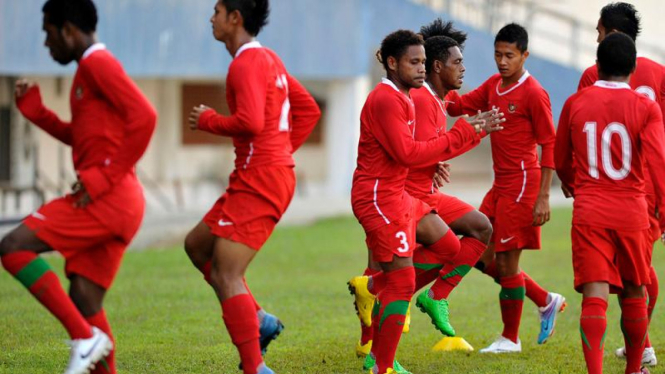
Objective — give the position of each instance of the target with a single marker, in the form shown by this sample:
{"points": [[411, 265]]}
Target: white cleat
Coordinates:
{"points": [[85, 353], [648, 356], [503, 345]]}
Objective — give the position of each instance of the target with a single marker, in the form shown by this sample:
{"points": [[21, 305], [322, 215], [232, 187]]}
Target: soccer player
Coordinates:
{"points": [[431, 122], [111, 125], [271, 116], [390, 217], [649, 80], [609, 138], [518, 203]]}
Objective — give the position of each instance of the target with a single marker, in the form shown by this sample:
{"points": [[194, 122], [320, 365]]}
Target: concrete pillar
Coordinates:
{"points": [[345, 101]]}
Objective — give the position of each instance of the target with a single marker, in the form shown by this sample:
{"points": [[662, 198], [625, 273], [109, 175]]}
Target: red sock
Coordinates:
{"points": [[534, 292], [652, 297], [36, 275], [511, 300], [593, 323], [249, 292], [452, 273], [240, 318], [106, 365], [427, 266], [394, 301], [492, 271], [446, 248], [634, 324]]}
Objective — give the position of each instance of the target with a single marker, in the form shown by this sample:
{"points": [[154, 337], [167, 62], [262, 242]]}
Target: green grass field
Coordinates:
{"points": [[166, 319]]}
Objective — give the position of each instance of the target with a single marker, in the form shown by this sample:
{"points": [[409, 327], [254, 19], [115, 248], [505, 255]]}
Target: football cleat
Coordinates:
{"points": [[364, 300], [503, 345], [85, 353], [269, 330], [363, 350], [648, 356], [438, 312], [407, 321], [397, 368], [263, 369], [548, 316]]}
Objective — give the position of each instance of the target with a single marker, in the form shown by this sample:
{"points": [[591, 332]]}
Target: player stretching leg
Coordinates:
{"points": [[649, 80], [112, 123], [518, 203], [610, 137], [271, 116]]}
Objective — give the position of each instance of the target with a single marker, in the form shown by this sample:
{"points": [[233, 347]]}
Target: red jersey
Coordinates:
{"points": [[431, 118], [648, 79], [528, 113], [387, 149], [111, 126], [605, 134], [271, 112]]}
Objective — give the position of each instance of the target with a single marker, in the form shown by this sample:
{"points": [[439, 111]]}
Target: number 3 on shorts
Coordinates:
{"points": [[401, 235]]}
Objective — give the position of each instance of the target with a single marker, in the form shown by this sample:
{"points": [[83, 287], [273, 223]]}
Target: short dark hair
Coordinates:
{"points": [[396, 44], [621, 17], [440, 28], [616, 55], [80, 13], [437, 48], [254, 13], [513, 33]]}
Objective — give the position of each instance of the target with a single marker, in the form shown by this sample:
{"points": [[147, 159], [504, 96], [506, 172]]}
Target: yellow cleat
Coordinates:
{"points": [[364, 300], [407, 321], [363, 350]]}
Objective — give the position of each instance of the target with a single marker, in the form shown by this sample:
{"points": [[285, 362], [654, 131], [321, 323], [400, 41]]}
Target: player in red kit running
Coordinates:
{"points": [[649, 80], [518, 203], [271, 116], [111, 125], [609, 138], [391, 218]]}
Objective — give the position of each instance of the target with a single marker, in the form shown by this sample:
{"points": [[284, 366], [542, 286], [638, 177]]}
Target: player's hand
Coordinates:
{"points": [[662, 237], [81, 195], [194, 115], [566, 192], [541, 211], [493, 120], [442, 175], [22, 86]]}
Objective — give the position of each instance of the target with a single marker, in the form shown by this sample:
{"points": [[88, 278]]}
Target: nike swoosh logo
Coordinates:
{"points": [[221, 222], [90, 350], [504, 241], [410, 122]]}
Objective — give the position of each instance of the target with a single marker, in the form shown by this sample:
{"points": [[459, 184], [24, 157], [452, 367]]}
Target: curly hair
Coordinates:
{"points": [[440, 28], [396, 44], [254, 13], [621, 17]]}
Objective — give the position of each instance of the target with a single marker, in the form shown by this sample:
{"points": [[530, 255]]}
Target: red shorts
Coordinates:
{"points": [[398, 238], [604, 255], [450, 208], [90, 249], [512, 222], [252, 205]]}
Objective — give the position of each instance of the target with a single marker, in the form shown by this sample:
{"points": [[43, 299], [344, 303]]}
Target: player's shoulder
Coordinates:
{"points": [[645, 62], [591, 71], [421, 96]]}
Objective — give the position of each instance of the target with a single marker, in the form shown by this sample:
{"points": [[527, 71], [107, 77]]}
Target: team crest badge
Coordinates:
{"points": [[79, 93], [512, 108]]}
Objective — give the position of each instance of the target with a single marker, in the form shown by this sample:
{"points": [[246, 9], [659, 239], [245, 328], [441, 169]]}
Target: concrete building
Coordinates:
{"points": [[167, 47]]}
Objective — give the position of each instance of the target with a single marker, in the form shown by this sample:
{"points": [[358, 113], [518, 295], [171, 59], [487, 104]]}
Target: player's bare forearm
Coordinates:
{"points": [[541, 210]]}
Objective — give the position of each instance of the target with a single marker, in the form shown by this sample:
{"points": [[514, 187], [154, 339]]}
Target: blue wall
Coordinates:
{"points": [[318, 40]]}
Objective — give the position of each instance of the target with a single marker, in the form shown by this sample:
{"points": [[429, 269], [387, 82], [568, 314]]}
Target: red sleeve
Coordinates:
{"points": [[587, 79], [106, 76], [653, 146], [662, 93], [543, 126], [248, 83], [460, 126], [563, 150], [305, 113], [393, 133], [471, 102], [33, 109]]}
